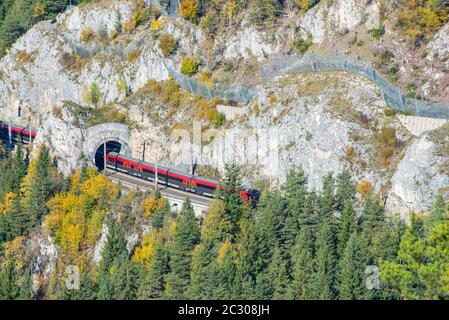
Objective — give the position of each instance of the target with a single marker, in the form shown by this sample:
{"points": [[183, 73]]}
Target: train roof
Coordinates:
{"points": [[4, 124], [165, 168]]}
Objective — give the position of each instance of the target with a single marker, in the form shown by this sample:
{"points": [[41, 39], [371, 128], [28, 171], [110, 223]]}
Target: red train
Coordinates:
{"points": [[18, 133], [171, 177]]}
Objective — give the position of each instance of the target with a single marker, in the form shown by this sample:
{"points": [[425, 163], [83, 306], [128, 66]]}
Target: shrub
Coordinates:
{"points": [[167, 44], [170, 93], [95, 94], [189, 66], [206, 79], [121, 85], [301, 45], [133, 55], [218, 119], [189, 10], [141, 14], [365, 188], [156, 24], [128, 27], [390, 112], [378, 31], [418, 19], [350, 153], [87, 35], [154, 86], [387, 141]]}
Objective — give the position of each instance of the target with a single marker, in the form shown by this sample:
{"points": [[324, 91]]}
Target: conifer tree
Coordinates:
{"points": [[352, 269], [125, 279], [113, 255], [373, 215], [88, 289], [247, 266], [84, 174], [326, 202], [295, 190], [270, 220], [231, 197], [202, 273], [272, 283], [153, 286], [8, 286], [186, 236], [345, 190], [225, 276], [25, 287], [302, 267], [346, 227], [280, 276], [40, 187], [323, 280]]}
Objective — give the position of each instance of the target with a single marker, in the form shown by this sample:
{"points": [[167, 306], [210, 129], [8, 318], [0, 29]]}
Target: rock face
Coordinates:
{"points": [[417, 180], [326, 22], [439, 46], [248, 42]]}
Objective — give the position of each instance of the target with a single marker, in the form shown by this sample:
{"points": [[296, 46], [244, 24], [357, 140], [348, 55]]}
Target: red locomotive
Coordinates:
{"points": [[171, 177], [18, 133]]}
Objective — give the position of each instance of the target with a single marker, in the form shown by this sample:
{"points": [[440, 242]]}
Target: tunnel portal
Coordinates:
{"points": [[111, 146]]}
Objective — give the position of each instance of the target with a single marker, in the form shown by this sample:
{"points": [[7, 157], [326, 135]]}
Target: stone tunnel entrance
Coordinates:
{"points": [[111, 146]]}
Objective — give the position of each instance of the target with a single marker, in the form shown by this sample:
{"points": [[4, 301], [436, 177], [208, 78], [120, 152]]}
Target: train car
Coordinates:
{"points": [[171, 177], [18, 133]]}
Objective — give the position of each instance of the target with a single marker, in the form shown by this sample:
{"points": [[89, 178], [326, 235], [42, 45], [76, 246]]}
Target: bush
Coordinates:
{"points": [[387, 141], [156, 24], [189, 66], [365, 188], [133, 55], [390, 112], [167, 44], [189, 10], [95, 94], [301, 45], [170, 93], [87, 35], [122, 86], [218, 119], [378, 32]]}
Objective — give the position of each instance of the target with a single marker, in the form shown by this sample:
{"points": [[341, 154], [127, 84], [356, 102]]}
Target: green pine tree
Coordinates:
{"points": [[302, 267], [41, 187], [186, 236], [323, 277], [352, 269], [345, 190], [326, 201], [88, 288], [8, 286], [114, 254], [153, 285], [347, 226], [126, 279], [231, 197]]}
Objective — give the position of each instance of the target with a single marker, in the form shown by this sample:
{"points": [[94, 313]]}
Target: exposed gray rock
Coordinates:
{"points": [[417, 180]]}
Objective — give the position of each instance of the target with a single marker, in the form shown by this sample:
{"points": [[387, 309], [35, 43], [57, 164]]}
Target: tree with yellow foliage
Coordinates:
{"points": [[189, 10]]}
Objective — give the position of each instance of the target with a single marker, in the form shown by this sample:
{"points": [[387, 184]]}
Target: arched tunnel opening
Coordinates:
{"points": [[111, 146]]}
